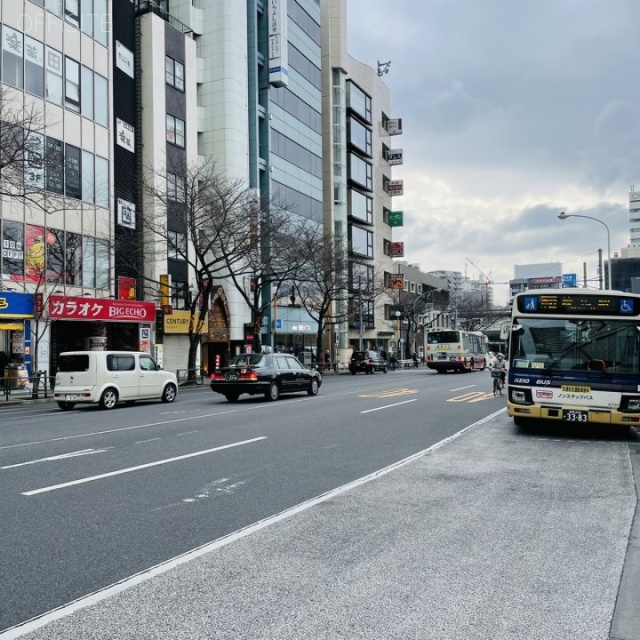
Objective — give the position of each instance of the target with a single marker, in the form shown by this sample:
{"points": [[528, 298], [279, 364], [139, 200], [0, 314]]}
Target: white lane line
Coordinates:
{"points": [[62, 456], [187, 433], [160, 569], [149, 440], [388, 406], [469, 386], [64, 485], [260, 407]]}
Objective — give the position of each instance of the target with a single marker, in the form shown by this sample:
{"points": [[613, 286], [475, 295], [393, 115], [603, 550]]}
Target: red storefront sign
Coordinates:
{"points": [[70, 308]]}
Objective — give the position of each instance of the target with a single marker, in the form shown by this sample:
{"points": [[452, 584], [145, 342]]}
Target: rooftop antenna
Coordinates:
{"points": [[383, 67]]}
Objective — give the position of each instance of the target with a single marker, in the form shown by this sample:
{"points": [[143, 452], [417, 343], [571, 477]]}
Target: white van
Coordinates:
{"points": [[108, 377]]}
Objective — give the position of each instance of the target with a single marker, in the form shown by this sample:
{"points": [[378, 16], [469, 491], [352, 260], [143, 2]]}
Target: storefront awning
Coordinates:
{"points": [[11, 326]]}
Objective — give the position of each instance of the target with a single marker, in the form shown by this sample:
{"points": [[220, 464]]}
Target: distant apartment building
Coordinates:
{"points": [[546, 275]]}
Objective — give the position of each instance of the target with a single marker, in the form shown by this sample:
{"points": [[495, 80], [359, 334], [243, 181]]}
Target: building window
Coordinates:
{"points": [[72, 12], [86, 87], [12, 57], [53, 66], [175, 187], [101, 24], [176, 245], [55, 6], [101, 100], [86, 16], [72, 174], [102, 182], [175, 131], [360, 136], [359, 102], [179, 298], [361, 207], [71, 84], [88, 177], [361, 241], [174, 73], [360, 172], [54, 166], [34, 66], [88, 262]]}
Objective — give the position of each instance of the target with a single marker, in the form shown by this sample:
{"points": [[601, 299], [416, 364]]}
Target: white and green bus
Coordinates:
{"points": [[574, 357]]}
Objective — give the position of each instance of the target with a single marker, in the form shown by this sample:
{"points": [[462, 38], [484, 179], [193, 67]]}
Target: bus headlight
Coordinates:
{"points": [[520, 396]]}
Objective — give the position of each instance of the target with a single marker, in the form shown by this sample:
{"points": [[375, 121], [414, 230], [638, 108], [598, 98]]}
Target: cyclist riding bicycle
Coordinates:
{"points": [[499, 364]]}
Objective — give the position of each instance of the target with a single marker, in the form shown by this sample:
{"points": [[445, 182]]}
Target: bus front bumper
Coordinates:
{"points": [[573, 415]]}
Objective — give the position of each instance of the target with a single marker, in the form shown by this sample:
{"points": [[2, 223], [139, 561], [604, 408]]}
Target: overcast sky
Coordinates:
{"points": [[513, 110]]}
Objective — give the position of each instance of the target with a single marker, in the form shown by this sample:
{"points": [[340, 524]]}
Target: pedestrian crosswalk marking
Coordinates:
{"points": [[389, 394], [472, 396]]}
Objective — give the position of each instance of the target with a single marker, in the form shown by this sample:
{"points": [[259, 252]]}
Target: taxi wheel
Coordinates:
{"points": [[274, 392]]}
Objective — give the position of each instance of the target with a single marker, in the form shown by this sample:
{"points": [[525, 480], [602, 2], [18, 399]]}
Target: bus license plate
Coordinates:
{"points": [[573, 415]]}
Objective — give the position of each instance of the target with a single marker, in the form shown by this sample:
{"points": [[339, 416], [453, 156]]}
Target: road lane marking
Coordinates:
{"points": [[110, 474], [484, 396], [62, 456], [469, 386], [260, 407], [388, 406], [160, 569], [472, 396], [389, 393]]}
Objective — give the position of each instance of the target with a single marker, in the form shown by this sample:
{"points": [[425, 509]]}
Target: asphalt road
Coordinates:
{"points": [[490, 534]]}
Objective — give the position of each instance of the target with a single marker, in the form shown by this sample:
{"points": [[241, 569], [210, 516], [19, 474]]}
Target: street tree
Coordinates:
{"points": [[224, 231], [193, 210], [322, 282], [413, 306]]}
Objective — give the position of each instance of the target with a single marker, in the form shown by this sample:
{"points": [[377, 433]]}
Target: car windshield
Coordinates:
{"points": [[248, 359], [576, 345]]}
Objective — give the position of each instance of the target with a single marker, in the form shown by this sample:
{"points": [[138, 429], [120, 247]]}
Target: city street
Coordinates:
{"points": [[389, 506]]}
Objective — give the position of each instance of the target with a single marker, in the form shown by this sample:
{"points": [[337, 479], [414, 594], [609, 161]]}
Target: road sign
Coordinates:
{"points": [[569, 280]]}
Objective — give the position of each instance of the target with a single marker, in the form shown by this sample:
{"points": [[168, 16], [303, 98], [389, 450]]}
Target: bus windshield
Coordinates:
{"points": [[441, 337], [555, 345]]}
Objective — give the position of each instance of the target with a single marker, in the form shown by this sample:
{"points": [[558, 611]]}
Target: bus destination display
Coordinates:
{"points": [[579, 304]]}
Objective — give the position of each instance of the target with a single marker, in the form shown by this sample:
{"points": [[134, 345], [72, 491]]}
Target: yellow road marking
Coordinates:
{"points": [[389, 394], [473, 396]]}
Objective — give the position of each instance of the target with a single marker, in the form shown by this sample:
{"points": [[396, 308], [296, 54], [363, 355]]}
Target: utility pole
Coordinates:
{"points": [[360, 329]]}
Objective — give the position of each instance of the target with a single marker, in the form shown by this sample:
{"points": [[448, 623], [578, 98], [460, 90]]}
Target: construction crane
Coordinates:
{"points": [[487, 278]]}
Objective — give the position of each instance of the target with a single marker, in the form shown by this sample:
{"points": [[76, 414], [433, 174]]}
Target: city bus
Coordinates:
{"points": [[455, 350], [574, 357]]}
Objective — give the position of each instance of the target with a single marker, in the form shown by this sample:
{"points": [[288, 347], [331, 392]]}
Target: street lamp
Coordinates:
{"points": [[564, 216]]}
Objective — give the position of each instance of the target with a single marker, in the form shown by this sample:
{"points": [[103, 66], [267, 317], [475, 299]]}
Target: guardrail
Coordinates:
{"points": [[26, 387], [188, 377]]}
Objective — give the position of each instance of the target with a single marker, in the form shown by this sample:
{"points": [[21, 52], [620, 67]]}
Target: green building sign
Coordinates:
{"points": [[395, 218]]}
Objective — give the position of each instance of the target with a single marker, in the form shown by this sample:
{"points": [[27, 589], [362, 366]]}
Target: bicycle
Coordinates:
{"points": [[498, 382]]}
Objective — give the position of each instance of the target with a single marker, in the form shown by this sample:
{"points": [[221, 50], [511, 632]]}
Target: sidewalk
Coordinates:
{"points": [[493, 535]]}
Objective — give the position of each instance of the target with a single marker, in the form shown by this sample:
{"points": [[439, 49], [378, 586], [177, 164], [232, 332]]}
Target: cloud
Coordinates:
{"points": [[512, 112]]}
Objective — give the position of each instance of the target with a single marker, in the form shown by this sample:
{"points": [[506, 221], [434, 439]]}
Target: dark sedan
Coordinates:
{"points": [[269, 374]]}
